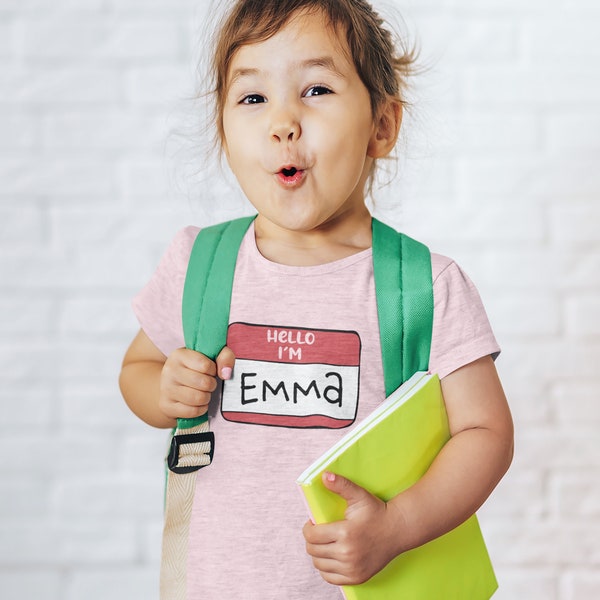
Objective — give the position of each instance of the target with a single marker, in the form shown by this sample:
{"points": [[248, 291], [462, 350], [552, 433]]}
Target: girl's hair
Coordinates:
{"points": [[381, 68]]}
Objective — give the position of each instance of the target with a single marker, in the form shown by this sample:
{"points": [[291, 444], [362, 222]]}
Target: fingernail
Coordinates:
{"points": [[226, 373], [330, 476]]}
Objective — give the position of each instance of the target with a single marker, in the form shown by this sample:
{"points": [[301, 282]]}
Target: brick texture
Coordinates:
{"points": [[100, 165]]}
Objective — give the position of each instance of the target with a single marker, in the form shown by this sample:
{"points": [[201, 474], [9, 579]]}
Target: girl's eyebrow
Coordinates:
{"points": [[324, 62]]}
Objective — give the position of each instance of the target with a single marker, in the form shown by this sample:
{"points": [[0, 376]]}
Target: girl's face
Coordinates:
{"points": [[299, 132]]}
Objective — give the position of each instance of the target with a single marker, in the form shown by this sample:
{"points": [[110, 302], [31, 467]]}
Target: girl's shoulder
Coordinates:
{"points": [[440, 264], [451, 283], [183, 240]]}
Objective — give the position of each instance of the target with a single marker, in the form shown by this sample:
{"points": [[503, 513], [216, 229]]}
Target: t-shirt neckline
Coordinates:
{"points": [[329, 267]]}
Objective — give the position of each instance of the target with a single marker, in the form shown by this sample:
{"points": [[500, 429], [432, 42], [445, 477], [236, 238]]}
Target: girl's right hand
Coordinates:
{"points": [[188, 379]]}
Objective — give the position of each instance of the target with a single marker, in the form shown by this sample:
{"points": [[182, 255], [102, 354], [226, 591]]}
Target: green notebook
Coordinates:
{"points": [[387, 453]]}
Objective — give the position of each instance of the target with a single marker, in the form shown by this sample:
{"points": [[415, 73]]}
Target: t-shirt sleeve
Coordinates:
{"points": [[461, 330], [158, 305]]}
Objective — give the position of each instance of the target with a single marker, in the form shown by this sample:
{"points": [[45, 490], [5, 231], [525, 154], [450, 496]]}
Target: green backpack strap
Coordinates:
{"points": [[404, 288], [205, 315]]}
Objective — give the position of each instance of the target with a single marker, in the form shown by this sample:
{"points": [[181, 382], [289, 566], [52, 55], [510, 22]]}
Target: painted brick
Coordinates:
{"points": [[527, 544], [576, 224], [168, 85], [514, 7], [107, 497], [537, 268], [144, 452], [578, 493], [558, 449], [583, 315], [576, 401], [124, 583], [93, 317], [573, 131], [543, 40], [468, 40], [517, 86], [533, 584], [102, 39], [96, 406], [31, 584], [88, 543], [7, 39], [527, 393], [18, 131], [32, 542], [36, 7], [522, 494], [18, 225], [184, 8], [21, 497], [63, 178], [152, 544], [582, 585], [490, 223], [512, 134], [26, 314], [519, 315], [39, 396], [64, 85], [103, 132]]}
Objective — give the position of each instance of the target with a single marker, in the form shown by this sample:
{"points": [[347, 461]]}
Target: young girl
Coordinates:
{"points": [[308, 97]]}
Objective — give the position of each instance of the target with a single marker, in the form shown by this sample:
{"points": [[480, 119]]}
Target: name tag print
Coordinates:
{"points": [[292, 377]]}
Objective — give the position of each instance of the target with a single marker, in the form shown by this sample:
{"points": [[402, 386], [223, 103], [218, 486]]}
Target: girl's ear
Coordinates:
{"points": [[386, 130]]}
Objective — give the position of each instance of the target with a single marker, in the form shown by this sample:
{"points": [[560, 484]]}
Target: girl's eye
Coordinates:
{"points": [[253, 99], [317, 90]]}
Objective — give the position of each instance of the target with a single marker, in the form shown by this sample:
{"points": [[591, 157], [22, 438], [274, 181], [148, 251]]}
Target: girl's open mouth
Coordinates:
{"points": [[290, 175]]}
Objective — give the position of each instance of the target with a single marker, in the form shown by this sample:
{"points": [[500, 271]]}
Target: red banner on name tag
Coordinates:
{"points": [[294, 344]]}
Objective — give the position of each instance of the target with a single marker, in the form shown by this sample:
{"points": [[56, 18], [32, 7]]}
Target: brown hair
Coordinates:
{"points": [[371, 45]]}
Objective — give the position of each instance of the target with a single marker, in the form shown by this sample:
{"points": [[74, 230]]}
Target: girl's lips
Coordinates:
{"points": [[290, 176]]}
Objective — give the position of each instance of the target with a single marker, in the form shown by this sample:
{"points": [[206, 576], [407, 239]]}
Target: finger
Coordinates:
{"points": [[192, 397], [225, 363], [185, 411], [196, 361], [197, 381], [349, 491], [322, 534], [331, 570]]}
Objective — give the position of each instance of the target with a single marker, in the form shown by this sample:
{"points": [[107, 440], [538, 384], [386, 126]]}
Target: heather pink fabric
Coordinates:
{"points": [[285, 404]]}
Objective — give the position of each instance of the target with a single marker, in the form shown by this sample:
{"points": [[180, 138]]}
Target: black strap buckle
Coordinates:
{"points": [[189, 438]]}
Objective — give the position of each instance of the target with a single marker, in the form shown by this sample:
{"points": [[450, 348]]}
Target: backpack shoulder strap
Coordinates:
{"points": [[404, 288], [207, 291], [208, 285]]}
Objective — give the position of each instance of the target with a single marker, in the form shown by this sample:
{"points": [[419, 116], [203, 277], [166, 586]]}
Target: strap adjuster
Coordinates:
{"points": [[198, 459]]}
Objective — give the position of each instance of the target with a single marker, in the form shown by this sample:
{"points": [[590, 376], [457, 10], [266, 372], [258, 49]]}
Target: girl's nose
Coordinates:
{"points": [[285, 127]]}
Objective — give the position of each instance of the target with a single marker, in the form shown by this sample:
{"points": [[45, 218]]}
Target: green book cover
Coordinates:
{"points": [[387, 453]]}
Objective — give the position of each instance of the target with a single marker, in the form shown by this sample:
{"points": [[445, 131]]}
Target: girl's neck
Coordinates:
{"points": [[335, 240]]}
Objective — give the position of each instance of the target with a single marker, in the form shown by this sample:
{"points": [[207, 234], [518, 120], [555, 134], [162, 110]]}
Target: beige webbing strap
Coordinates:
{"points": [[191, 449]]}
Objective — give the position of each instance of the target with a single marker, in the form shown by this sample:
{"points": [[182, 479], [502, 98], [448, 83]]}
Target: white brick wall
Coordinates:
{"points": [[499, 169]]}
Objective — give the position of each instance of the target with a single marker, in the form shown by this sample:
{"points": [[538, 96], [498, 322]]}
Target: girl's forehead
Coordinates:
{"points": [[304, 33]]}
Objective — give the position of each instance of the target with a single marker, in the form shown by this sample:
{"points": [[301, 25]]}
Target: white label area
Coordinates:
{"points": [[291, 394]]}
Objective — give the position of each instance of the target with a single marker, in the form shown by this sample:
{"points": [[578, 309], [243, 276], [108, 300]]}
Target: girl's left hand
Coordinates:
{"points": [[351, 551]]}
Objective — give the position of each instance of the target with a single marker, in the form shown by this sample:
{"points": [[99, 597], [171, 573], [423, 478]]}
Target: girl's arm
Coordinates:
{"points": [[458, 482], [161, 389]]}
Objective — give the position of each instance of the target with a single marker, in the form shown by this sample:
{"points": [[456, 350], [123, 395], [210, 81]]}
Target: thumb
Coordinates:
{"points": [[353, 494], [225, 363]]}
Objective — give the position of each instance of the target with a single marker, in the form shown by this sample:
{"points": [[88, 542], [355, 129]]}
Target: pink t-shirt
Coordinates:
{"points": [[308, 366]]}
